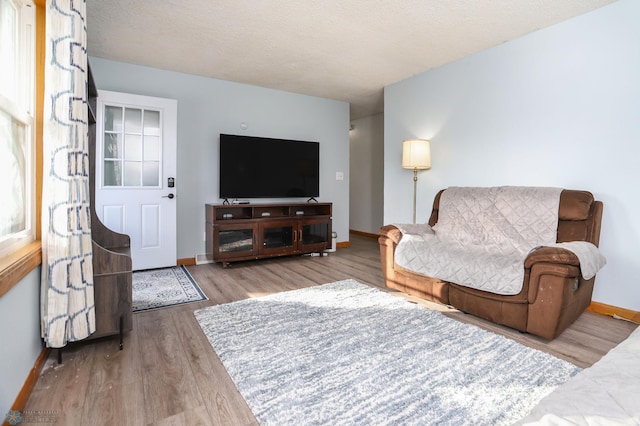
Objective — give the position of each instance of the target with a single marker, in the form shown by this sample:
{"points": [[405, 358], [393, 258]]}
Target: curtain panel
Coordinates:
{"points": [[67, 306]]}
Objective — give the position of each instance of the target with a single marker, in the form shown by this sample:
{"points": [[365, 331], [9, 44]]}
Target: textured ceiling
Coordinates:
{"points": [[346, 50]]}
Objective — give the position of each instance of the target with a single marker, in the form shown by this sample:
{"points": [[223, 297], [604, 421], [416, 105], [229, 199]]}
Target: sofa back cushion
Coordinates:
{"points": [[505, 218], [579, 216]]}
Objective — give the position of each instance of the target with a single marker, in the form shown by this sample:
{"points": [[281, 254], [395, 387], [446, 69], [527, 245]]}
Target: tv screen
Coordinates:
{"points": [[254, 167]]}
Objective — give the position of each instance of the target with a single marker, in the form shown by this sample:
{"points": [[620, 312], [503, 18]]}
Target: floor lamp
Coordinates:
{"points": [[416, 155]]}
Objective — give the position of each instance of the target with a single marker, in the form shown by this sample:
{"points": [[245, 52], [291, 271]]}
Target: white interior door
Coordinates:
{"points": [[136, 174]]}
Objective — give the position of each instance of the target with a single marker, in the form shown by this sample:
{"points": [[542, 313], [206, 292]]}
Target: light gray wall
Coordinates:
{"points": [[558, 107], [208, 107], [20, 336], [366, 195]]}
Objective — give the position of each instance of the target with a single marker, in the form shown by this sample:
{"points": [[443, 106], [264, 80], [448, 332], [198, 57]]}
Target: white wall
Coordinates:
{"points": [[208, 107], [366, 195], [20, 336], [558, 107]]}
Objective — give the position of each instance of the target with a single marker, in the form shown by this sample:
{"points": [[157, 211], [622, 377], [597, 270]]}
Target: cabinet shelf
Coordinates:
{"points": [[235, 233]]}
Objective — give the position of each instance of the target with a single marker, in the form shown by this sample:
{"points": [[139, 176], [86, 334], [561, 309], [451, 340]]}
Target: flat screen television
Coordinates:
{"points": [[255, 167]]}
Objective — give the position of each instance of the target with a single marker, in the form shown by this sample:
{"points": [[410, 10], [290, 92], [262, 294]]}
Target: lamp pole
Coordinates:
{"points": [[415, 190]]}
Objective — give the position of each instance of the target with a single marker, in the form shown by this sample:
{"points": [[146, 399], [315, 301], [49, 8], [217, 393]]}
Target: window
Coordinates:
{"points": [[132, 146], [17, 188]]}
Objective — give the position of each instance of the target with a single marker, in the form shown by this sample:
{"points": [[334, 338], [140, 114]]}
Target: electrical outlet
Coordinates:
{"points": [[204, 236], [339, 176]]}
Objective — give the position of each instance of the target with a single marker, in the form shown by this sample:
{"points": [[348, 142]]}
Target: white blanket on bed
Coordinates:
{"points": [[483, 236]]}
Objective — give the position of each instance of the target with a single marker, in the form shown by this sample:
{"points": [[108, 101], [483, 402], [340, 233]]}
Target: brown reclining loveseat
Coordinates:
{"points": [[554, 293]]}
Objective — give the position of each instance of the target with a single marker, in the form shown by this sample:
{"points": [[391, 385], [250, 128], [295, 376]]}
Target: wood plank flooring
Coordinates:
{"points": [[168, 374]]}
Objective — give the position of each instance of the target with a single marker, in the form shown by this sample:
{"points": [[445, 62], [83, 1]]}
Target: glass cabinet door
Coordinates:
{"points": [[234, 240], [315, 233], [276, 236]]}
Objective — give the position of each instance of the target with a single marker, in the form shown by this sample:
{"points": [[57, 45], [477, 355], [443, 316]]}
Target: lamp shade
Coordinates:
{"points": [[416, 154]]}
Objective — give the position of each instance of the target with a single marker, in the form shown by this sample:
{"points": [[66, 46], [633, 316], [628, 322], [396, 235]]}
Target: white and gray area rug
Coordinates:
{"points": [[159, 288], [348, 354]]}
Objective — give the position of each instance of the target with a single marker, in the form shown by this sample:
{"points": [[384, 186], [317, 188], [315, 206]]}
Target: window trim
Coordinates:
{"points": [[18, 264]]}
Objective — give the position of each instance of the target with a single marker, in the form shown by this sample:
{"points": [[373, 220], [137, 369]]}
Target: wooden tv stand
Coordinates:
{"points": [[254, 231]]}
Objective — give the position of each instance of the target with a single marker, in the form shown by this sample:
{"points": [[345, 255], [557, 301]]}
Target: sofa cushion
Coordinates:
{"points": [[483, 236], [505, 217], [575, 205], [575, 217]]}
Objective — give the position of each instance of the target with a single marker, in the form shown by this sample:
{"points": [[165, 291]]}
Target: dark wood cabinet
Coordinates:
{"points": [[112, 267], [254, 231]]}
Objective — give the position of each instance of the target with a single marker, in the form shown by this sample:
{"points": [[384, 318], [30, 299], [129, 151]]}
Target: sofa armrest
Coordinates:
{"points": [[554, 255], [388, 237], [398, 278], [390, 232], [557, 297]]}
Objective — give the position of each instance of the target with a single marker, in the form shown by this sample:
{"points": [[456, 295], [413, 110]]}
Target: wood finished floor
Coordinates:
{"points": [[168, 374]]}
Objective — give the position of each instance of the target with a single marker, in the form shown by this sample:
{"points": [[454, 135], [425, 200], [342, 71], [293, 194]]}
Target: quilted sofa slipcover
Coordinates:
{"points": [[554, 292]]}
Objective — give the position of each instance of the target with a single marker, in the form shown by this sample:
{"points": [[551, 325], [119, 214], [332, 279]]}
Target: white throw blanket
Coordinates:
{"points": [[589, 256], [608, 393], [483, 236]]}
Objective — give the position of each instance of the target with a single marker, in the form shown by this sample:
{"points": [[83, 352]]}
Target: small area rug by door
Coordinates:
{"points": [[159, 288], [346, 353]]}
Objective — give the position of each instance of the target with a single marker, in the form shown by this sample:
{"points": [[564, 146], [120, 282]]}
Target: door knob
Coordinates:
{"points": [[170, 196]]}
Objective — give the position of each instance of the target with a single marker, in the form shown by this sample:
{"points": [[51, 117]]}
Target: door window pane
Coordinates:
{"points": [[133, 147], [151, 148], [133, 120], [112, 173], [152, 123], [151, 174], [132, 173], [113, 119], [112, 145]]}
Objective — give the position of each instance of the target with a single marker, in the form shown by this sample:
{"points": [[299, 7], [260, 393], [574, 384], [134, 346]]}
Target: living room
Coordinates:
{"points": [[556, 107]]}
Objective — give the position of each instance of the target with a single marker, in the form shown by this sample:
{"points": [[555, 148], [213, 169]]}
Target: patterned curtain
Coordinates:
{"points": [[68, 312]]}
